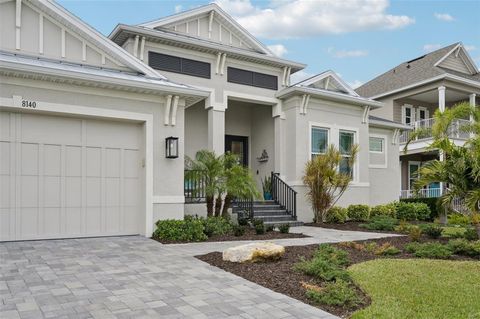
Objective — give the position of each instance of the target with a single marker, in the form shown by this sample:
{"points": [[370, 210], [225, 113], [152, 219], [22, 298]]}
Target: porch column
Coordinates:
{"points": [[216, 129], [472, 103], [441, 98], [279, 139]]}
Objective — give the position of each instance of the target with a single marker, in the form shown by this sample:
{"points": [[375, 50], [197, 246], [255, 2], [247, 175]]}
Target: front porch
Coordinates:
{"points": [[409, 166]]}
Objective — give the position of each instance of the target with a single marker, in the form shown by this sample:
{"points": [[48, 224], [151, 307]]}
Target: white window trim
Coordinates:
{"points": [[412, 113], [333, 138], [412, 163], [385, 150], [422, 108], [328, 129]]}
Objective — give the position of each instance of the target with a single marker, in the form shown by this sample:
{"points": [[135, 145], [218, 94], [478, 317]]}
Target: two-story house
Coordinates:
{"points": [[413, 91]]}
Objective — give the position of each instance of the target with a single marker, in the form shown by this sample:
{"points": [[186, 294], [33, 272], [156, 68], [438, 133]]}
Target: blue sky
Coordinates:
{"points": [[358, 39]]}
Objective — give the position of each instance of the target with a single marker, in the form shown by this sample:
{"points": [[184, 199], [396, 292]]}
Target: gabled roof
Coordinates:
{"points": [[329, 81], [226, 19], [319, 86], [68, 19], [419, 70]]}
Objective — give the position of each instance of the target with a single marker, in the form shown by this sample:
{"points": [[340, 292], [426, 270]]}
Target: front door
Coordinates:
{"points": [[237, 145]]}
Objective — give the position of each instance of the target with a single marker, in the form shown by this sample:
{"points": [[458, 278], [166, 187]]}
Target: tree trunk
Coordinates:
{"points": [[226, 206], [218, 206], [443, 216], [209, 200]]}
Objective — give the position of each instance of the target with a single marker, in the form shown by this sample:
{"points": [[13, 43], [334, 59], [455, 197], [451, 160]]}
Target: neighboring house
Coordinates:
{"points": [[413, 91], [87, 126]]}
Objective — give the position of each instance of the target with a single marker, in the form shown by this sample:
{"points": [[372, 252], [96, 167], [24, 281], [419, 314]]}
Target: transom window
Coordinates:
{"points": [[345, 143], [319, 141], [376, 144]]}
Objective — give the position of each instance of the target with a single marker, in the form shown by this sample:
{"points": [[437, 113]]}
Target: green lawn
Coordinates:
{"points": [[419, 288]]}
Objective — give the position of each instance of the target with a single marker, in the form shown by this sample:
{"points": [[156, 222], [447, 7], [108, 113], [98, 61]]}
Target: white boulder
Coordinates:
{"points": [[254, 252]]}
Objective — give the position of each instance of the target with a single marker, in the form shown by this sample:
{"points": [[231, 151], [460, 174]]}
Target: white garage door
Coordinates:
{"points": [[67, 177]]}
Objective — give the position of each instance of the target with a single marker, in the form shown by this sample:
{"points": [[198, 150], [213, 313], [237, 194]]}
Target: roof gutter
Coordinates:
{"points": [[208, 45], [384, 124], [360, 101]]}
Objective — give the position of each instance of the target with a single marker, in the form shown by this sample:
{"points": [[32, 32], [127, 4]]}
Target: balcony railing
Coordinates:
{"points": [[194, 186], [455, 130], [423, 193]]}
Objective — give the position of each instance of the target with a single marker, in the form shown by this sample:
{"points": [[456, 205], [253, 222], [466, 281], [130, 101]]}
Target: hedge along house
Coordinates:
{"points": [[82, 130], [252, 109]]}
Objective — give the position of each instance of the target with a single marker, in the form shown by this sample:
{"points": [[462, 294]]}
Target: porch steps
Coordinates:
{"points": [[272, 214]]}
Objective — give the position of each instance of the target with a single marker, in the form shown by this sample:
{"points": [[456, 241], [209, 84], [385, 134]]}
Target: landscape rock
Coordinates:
{"points": [[254, 252]]}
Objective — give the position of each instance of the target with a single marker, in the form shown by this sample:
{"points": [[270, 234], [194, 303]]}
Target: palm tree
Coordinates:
{"points": [[460, 167], [325, 182]]}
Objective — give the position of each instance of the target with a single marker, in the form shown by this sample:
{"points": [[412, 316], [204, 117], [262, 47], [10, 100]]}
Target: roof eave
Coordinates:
{"points": [[388, 125]]}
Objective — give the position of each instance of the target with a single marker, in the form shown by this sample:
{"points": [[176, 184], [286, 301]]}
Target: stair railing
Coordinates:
{"points": [[284, 195], [245, 205]]}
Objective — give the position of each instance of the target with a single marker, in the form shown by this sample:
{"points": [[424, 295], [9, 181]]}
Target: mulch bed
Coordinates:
{"points": [[280, 277], [249, 235], [354, 226]]}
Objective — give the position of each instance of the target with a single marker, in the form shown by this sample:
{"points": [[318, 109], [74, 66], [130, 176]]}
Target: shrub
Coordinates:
{"points": [[190, 229], [383, 210], [429, 250], [470, 234], [464, 247], [259, 226], [413, 211], [337, 293], [336, 215], [422, 211], [371, 247], [381, 222], [387, 249], [404, 227], [358, 213], [415, 233], [216, 226], [458, 219], [238, 230], [431, 202], [270, 228], [326, 264], [433, 231], [284, 228], [243, 221]]}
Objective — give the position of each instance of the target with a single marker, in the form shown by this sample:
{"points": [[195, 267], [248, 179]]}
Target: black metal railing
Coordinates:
{"points": [[245, 206], [194, 186], [284, 195]]}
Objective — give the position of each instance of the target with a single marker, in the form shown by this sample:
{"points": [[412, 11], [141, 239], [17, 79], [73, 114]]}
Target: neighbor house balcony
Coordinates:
{"points": [[423, 193], [455, 132]]}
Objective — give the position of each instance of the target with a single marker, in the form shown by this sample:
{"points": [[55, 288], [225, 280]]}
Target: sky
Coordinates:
{"points": [[358, 39]]}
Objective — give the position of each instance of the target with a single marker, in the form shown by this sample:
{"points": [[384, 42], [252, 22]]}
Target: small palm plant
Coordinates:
{"points": [[325, 182]]}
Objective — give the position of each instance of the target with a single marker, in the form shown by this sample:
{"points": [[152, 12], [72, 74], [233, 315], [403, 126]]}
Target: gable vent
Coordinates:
{"points": [[175, 64], [251, 78]]}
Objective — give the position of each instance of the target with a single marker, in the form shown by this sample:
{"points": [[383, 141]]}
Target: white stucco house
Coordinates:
{"points": [[85, 119]]}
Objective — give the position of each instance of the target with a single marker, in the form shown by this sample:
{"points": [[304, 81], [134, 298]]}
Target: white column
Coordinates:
{"points": [[441, 98], [442, 158], [216, 130], [472, 103], [279, 140]]}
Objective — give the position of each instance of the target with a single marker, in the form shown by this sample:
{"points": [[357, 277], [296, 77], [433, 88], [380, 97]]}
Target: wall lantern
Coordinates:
{"points": [[171, 147]]}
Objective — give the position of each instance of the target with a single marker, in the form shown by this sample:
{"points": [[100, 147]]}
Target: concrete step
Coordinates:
{"points": [[273, 218], [281, 212], [292, 223], [267, 207]]}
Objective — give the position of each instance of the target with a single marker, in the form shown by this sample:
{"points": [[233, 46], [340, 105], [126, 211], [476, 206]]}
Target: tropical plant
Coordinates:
{"points": [[460, 167], [325, 182], [267, 187]]}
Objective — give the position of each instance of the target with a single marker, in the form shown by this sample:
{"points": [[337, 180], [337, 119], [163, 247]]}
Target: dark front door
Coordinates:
{"points": [[237, 145]]}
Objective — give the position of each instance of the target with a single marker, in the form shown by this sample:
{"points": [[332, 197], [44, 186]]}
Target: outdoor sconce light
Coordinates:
{"points": [[171, 147]]}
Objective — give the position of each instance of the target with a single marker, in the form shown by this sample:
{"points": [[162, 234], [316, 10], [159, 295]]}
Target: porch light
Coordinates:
{"points": [[171, 147]]}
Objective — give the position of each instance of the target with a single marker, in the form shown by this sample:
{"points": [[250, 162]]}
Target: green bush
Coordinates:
{"points": [[464, 247], [432, 203], [458, 219], [415, 233], [433, 231], [337, 293], [404, 227], [358, 213], [327, 264], [387, 249], [259, 226], [381, 222], [284, 228], [190, 229], [243, 221], [238, 230], [383, 210], [412, 211], [429, 250], [216, 226], [470, 234], [336, 215]]}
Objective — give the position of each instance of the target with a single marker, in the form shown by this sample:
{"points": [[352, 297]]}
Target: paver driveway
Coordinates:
{"points": [[135, 277]]}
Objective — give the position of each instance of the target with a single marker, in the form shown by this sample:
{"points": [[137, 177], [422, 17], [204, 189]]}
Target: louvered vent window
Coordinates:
{"points": [[251, 78], [178, 65]]}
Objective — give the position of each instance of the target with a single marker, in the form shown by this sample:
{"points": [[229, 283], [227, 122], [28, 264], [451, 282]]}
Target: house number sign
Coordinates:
{"points": [[29, 104]]}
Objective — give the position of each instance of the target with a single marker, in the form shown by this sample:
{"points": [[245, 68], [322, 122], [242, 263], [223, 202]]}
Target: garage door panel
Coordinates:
{"points": [[131, 219], [94, 191], [93, 220], [132, 192], [113, 162], [29, 163], [5, 191], [52, 217], [112, 191], [5, 158], [94, 161], [29, 191], [5, 126], [112, 134], [52, 155], [73, 191], [112, 220], [6, 231], [51, 191], [73, 220], [131, 163], [73, 165], [45, 129], [28, 222]]}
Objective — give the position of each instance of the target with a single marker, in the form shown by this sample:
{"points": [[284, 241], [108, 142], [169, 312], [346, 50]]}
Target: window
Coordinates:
{"points": [[413, 168], [408, 114], [178, 65], [346, 141], [251, 78], [376, 144], [319, 141]]}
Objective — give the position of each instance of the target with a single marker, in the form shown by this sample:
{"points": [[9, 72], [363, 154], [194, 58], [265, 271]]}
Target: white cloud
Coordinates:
{"points": [[444, 17], [300, 76], [431, 47], [302, 18], [346, 53], [178, 8], [278, 49], [470, 47], [355, 84]]}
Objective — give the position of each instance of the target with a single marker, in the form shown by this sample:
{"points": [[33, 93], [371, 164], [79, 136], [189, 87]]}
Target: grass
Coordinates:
{"points": [[411, 288]]}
